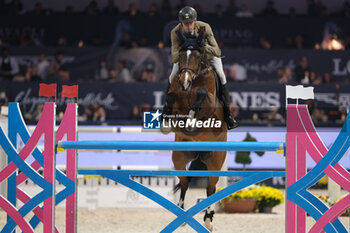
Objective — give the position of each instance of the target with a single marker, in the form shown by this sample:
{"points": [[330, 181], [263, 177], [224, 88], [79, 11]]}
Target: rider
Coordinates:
{"points": [[191, 28]]}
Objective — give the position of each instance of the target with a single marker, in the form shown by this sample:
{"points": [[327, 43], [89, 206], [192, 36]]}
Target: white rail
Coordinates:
{"points": [[106, 129]]}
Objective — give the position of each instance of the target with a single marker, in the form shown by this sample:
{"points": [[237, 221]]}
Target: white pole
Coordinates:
{"points": [[104, 129], [333, 190], [3, 156], [223, 179], [223, 182]]}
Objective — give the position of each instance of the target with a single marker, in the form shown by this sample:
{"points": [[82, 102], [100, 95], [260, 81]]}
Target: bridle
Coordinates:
{"points": [[195, 72]]}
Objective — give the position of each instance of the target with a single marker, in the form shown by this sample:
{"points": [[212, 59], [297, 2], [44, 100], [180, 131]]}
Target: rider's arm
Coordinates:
{"points": [[211, 47], [175, 46]]}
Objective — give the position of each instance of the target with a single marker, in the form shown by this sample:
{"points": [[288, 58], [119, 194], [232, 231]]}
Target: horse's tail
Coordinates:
{"points": [[195, 165]]}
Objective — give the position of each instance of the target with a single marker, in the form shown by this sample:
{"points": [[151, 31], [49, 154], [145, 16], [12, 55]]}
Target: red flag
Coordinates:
{"points": [[70, 91], [48, 90]]}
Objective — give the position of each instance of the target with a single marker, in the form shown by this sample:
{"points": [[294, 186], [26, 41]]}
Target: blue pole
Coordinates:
{"points": [[177, 146]]}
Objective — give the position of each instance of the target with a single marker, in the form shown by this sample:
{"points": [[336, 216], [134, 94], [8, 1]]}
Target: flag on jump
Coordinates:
{"points": [[70, 91], [48, 90], [299, 92]]}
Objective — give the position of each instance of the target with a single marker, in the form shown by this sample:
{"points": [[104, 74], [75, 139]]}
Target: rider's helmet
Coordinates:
{"points": [[187, 14]]}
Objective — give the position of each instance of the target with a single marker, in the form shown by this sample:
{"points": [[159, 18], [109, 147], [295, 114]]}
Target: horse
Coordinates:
{"points": [[193, 98]]}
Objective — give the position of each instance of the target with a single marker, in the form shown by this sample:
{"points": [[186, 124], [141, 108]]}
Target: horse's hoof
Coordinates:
{"points": [[191, 114], [208, 225], [190, 129], [165, 130]]}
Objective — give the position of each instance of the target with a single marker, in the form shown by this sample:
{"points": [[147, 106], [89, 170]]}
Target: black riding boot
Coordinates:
{"points": [[225, 98]]}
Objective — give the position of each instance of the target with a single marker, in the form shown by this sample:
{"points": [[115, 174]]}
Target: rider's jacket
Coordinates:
{"points": [[211, 47]]}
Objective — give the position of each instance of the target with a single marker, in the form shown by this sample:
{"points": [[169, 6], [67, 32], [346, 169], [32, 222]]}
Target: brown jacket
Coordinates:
{"points": [[211, 47]]}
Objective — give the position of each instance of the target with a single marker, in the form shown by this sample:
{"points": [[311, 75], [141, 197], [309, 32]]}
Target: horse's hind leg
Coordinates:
{"points": [[180, 161], [214, 162]]}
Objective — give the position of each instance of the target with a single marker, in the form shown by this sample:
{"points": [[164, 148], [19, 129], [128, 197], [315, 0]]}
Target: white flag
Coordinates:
{"points": [[307, 93], [299, 92]]}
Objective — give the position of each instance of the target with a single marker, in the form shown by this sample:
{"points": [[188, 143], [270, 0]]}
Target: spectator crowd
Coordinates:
{"points": [[29, 34], [315, 8], [54, 69]]}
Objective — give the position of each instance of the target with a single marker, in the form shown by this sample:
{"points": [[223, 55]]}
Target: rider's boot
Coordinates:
{"points": [[225, 99]]}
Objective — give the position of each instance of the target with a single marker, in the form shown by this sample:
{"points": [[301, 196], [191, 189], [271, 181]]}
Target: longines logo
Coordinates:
{"points": [[341, 67], [253, 100]]}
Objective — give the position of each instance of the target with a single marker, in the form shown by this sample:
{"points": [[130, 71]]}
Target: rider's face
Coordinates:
{"points": [[188, 27]]}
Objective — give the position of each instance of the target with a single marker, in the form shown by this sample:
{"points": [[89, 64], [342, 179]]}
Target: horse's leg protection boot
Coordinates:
{"points": [[202, 92], [169, 102]]}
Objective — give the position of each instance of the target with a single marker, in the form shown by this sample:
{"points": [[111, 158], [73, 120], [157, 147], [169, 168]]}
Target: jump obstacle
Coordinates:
{"points": [[301, 138]]}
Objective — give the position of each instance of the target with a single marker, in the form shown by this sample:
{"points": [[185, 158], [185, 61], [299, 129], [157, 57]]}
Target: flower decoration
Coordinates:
{"points": [[269, 196], [330, 203], [264, 195]]}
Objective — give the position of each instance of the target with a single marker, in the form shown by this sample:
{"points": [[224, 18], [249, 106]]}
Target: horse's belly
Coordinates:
{"points": [[201, 136]]}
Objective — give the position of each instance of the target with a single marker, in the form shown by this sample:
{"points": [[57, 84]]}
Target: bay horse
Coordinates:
{"points": [[193, 97]]}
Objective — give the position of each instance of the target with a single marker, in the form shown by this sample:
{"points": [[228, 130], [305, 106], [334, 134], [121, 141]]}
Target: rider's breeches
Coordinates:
{"points": [[215, 62], [174, 71]]}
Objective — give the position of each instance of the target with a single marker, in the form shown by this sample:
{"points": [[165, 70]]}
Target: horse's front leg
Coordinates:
{"points": [[201, 94], [167, 110], [169, 103]]}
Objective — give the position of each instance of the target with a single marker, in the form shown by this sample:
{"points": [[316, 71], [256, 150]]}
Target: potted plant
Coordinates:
{"points": [[269, 197], [243, 157], [242, 201]]}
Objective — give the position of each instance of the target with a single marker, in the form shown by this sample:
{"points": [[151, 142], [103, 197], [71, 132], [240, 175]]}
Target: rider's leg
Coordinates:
{"points": [[169, 98], [225, 98], [174, 71]]}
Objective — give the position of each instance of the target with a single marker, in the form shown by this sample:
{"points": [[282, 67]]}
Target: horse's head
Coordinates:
{"points": [[189, 66]]}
